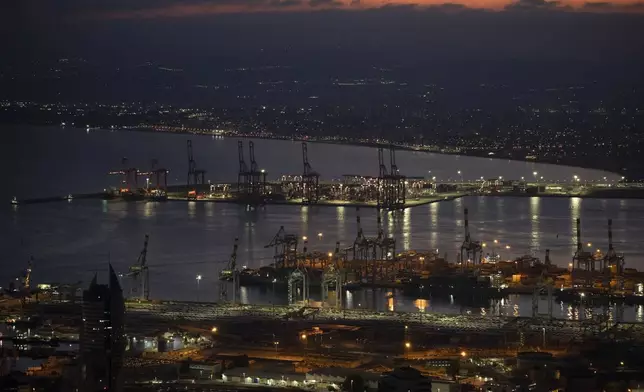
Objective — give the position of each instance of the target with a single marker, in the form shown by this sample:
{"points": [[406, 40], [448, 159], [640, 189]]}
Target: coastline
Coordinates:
{"points": [[385, 144], [432, 149]]}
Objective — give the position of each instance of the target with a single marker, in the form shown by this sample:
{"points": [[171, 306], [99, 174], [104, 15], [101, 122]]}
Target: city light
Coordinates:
{"points": [[303, 336], [407, 345], [330, 254], [463, 354], [320, 235], [214, 330], [304, 238]]}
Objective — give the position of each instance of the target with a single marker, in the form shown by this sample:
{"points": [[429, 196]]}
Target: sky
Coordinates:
{"points": [[138, 9], [463, 35]]}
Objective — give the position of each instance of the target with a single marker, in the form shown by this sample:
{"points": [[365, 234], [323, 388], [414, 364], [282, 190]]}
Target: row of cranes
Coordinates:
{"points": [[371, 253], [392, 186], [472, 252], [251, 181], [588, 261], [389, 189], [139, 276], [156, 186]]}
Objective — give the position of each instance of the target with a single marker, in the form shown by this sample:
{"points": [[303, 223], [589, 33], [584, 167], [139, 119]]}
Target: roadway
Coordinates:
{"points": [[209, 314]]}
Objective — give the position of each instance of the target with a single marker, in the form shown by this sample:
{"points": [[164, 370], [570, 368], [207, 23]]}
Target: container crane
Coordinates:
{"points": [[230, 274], [140, 273], [196, 176], [310, 179]]}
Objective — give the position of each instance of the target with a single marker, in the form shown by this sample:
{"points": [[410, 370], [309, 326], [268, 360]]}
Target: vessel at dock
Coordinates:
{"points": [[461, 287], [132, 195]]}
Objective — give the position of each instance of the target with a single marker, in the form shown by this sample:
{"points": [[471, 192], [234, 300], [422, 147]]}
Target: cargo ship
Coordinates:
{"points": [[158, 195], [461, 287], [271, 276], [132, 195]]}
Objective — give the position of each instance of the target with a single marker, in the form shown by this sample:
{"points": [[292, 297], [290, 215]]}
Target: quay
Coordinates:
{"points": [[177, 193], [389, 190]]}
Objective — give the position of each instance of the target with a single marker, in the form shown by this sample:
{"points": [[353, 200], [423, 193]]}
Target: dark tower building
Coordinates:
{"points": [[102, 337]]}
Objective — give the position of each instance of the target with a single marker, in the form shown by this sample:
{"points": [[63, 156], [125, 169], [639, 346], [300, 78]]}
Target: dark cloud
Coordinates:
{"points": [[451, 7], [285, 3], [604, 6], [598, 5], [532, 5], [325, 3], [399, 7]]}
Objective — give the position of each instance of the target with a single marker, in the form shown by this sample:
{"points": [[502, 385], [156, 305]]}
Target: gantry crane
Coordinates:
{"points": [[242, 175], [140, 274], [285, 249], [159, 189], [382, 199], [130, 176], [230, 274], [251, 182], [392, 185], [399, 182], [612, 261], [196, 176], [470, 250], [310, 180]]}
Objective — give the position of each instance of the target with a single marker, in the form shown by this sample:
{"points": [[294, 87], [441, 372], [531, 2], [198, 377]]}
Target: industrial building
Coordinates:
{"points": [[102, 340]]}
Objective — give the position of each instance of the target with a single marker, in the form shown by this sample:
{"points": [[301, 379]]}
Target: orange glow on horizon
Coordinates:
{"points": [[205, 8]]}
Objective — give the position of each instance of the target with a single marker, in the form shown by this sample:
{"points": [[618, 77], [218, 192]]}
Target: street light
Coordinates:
{"points": [[198, 281], [304, 238], [330, 254], [320, 236], [460, 174], [214, 330], [407, 345]]}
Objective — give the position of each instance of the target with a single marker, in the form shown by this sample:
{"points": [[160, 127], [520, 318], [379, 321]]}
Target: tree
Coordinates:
{"points": [[353, 383]]}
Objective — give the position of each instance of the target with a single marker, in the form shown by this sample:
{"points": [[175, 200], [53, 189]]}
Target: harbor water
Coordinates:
{"points": [[70, 241]]}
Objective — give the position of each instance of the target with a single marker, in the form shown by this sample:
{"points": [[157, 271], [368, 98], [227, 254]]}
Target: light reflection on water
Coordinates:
{"points": [[535, 234], [193, 238]]}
